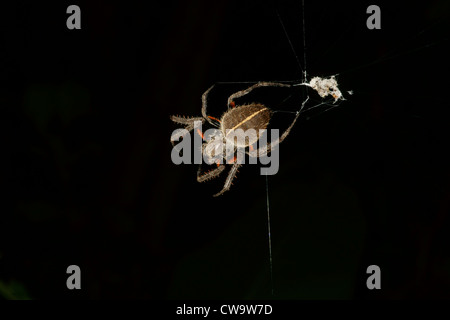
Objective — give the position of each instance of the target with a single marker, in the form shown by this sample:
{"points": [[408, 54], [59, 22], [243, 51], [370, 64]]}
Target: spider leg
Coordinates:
{"points": [[183, 120], [231, 175], [204, 106], [262, 151], [202, 177], [189, 126], [249, 89]]}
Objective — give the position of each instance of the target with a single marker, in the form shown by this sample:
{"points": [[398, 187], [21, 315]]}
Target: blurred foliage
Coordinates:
{"points": [[13, 290]]}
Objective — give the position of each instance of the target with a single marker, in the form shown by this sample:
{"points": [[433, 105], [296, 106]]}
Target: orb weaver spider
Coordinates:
{"points": [[248, 116]]}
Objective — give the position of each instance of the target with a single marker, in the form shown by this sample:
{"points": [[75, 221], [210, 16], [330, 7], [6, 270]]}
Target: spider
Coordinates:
{"points": [[249, 116]]}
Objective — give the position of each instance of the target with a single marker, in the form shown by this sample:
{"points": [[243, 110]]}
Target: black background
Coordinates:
{"points": [[88, 178]]}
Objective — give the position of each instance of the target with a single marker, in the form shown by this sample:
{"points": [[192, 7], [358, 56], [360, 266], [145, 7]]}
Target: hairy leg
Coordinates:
{"points": [[249, 89], [229, 180], [189, 126], [264, 150], [205, 176], [205, 105]]}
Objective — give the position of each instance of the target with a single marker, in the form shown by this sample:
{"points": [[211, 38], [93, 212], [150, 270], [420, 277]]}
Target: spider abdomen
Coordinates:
{"points": [[251, 116]]}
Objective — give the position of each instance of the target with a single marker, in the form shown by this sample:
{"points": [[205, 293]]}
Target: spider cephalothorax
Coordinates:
{"points": [[249, 118]]}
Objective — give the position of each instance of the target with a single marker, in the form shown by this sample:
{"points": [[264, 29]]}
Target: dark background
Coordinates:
{"points": [[88, 179]]}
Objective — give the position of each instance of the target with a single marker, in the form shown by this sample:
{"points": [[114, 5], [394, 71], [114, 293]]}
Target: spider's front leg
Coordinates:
{"points": [[204, 106], [249, 89], [189, 126], [264, 150]]}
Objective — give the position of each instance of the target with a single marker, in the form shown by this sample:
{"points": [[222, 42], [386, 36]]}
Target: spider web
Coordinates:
{"points": [[303, 71], [318, 84], [358, 67], [324, 103], [398, 52]]}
